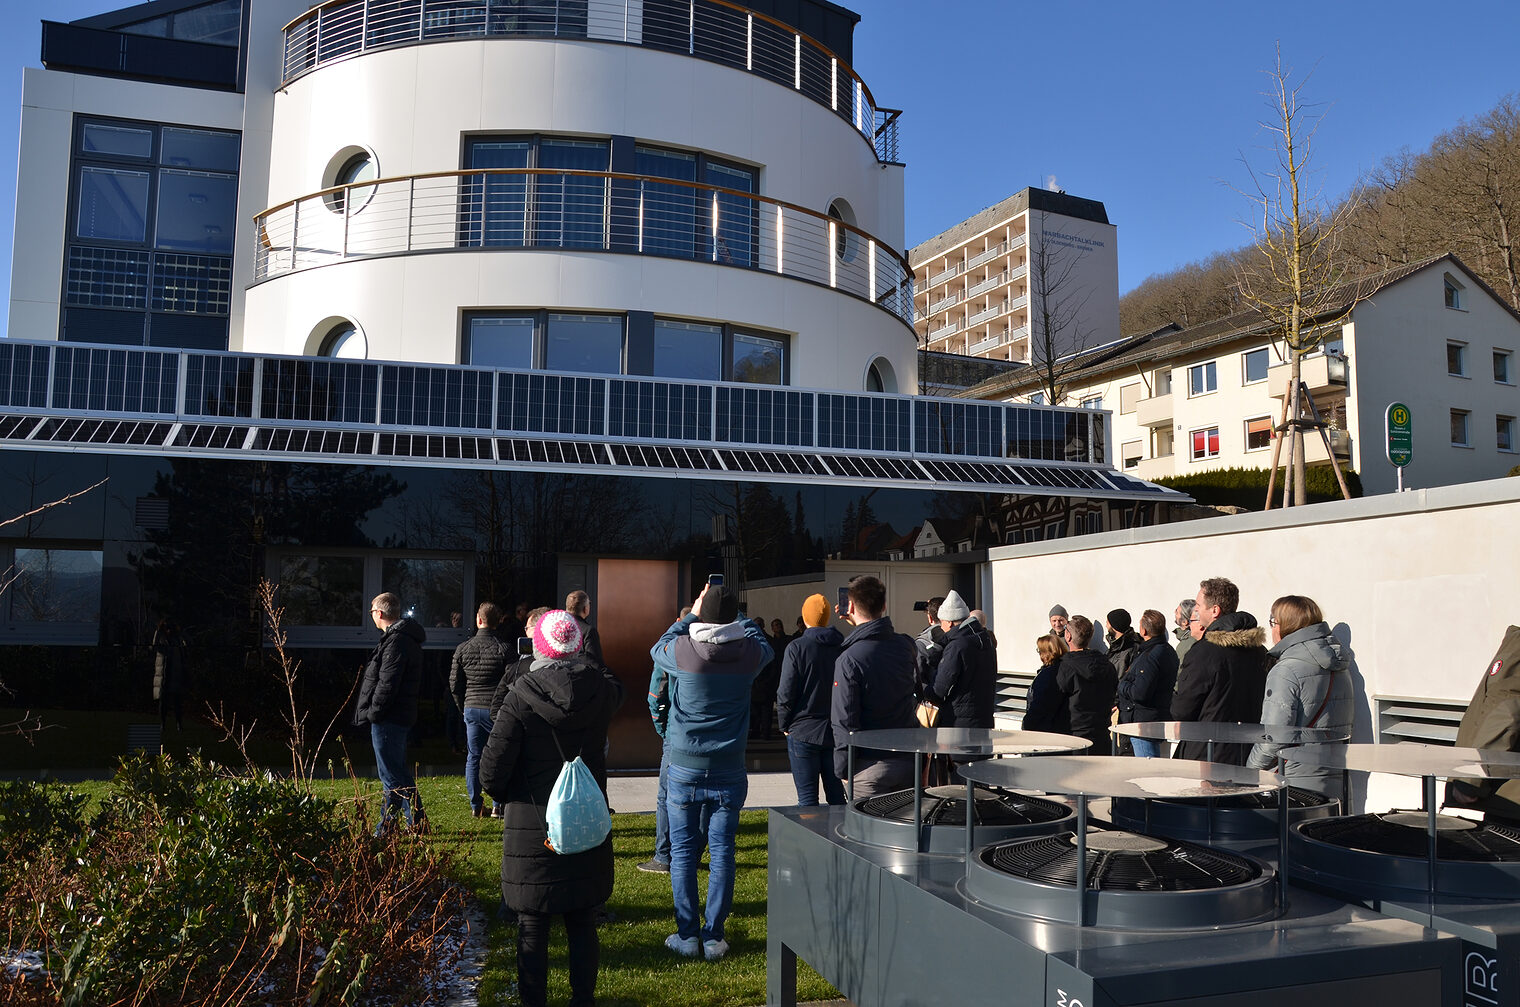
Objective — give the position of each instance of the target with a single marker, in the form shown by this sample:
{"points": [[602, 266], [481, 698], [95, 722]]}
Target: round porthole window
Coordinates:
{"points": [[351, 167], [344, 341], [846, 241]]}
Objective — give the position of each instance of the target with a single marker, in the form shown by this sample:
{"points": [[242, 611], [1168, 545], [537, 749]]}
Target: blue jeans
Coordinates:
{"points": [[399, 787], [810, 763], [661, 815], [1146, 748], [692, 796], [477, 728]]}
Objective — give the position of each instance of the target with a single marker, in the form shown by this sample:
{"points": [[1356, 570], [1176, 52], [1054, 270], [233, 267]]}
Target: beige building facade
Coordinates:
{"points": [[1430, 335], [980, 284]]}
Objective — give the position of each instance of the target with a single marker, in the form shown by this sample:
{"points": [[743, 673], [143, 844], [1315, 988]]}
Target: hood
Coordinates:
{"points": [[564, 692], [409, 627], [716, 632], [971, 630], [826, 635], [1316, 645], [1236, 629]]}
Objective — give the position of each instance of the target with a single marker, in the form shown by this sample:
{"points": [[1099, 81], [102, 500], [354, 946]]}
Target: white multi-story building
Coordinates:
{"points": [[981, 284], [1430, 335]]}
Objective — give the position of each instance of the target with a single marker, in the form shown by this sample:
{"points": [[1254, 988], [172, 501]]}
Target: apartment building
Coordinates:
{"points": [[1430, 335], [980, 285]]}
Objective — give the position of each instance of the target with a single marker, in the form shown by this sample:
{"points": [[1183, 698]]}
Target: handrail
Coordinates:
{"points": [[619, 211], [879, 128]]}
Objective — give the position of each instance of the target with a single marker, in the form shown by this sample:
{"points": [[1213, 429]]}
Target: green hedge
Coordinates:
{"points": [[1247, 488]]}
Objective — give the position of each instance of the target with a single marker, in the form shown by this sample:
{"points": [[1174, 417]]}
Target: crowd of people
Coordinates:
{"points": [[719, 678]]}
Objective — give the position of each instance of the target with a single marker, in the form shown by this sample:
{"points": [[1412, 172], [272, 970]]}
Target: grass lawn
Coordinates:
{"points": [[636, 969]]}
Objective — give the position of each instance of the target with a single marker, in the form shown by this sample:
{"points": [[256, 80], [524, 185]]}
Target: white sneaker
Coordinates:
{"points": [[686, 947], [714, 950]]}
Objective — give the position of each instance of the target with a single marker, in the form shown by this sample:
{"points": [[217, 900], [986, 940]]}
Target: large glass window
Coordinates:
{"points": [[113, 204], [496, 211], [569, 210], [737, 216], [667, 213], [56, 585], [431, 590], [197, 211], [758, 359], [504, 341], [149, 258], [688, 350], [216, 22], [592, 343], [322, 590]]}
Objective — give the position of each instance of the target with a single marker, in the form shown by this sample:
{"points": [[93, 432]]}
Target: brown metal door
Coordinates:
{"points": [[636, 601]]}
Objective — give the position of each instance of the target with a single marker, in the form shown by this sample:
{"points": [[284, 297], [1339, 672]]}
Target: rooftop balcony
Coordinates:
{"points": [[713, 30], [517, 208], [1155, 411], [1322, 372]]}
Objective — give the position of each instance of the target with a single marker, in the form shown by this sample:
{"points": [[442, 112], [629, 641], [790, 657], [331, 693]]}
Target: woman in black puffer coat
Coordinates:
{"points": [[565, 697]]}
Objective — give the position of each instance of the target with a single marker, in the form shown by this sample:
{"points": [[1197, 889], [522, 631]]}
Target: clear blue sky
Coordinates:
{"points": [[1145, 106]]}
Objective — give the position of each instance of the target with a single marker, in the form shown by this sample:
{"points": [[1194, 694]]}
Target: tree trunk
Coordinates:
{"points": [[1300, 491]]}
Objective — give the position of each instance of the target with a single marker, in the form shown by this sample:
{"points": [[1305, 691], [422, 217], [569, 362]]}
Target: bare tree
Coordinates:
{"points": [[1060, 328], [1293, 277], [1475, 170]]}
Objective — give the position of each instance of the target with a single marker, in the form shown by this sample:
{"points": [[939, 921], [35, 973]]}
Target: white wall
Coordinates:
{"points": [[49, 101], [1421, 585], [1084, 260], [409, 306], [1399, 354], [413, 105]]}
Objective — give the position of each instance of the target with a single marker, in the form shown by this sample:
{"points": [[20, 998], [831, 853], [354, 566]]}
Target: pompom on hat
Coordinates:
{"points": [[556, 636]]}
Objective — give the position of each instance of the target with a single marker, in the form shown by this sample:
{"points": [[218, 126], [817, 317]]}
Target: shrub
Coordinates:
{"points": [[1242, 487], [195, 885]]}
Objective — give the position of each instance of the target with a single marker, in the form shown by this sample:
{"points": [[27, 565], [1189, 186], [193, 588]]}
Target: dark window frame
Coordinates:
{"points": [[159, 261]]}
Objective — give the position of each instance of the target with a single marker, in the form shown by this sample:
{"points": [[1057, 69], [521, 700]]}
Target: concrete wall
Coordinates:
{"points": [[1421, 585], [1082, 267]]}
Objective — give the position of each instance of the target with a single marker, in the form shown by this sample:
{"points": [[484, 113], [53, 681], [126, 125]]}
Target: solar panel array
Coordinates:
{"points": [[227, 404]]}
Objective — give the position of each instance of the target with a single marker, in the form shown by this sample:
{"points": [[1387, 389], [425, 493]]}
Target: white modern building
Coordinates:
{"points": [[1430, 335], [994, 284]]}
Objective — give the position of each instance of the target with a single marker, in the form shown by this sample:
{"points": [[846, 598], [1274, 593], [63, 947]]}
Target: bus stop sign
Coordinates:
{"points": [[1400, 427]]}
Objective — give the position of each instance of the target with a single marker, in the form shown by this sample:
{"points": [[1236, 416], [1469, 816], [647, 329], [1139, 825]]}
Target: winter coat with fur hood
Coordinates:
{"points": [[1222, 681], [569, 701]]}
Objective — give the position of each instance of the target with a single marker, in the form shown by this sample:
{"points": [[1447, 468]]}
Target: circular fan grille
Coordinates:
{"points": [[1175, 867], [1385, 834], [1297, 798], [947, 806]]}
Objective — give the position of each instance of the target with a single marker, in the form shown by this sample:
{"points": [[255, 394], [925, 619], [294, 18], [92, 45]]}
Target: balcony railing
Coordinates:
{"points": [[990, 343], [944, 330], [943, 303], [518, 208], [990, 283], [712, 30], [940, 277], [1001, 248]]}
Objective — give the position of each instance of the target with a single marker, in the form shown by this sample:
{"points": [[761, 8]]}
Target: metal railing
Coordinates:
{"points": [[712, 30], [1001, 248], [946, 273], [943, 303], [194, 387], [539, 208]]}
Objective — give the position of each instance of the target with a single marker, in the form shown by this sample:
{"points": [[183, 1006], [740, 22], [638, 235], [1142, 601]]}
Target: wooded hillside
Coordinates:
{"points": [[1462, 195]]}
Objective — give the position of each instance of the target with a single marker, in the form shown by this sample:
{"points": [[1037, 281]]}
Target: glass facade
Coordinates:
{"points": [[153, 219]]}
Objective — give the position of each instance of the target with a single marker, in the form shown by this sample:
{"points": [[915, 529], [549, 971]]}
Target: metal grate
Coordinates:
{"points": [[1426, 721], [1487, 843], [1176, 867], [947, 806]]}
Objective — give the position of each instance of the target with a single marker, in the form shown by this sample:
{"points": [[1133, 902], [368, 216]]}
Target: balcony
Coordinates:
{"points": [[581, 211], [1314, 447], [948, 272], [1323, 372], [716, 31], [990, 343], [987, 314], [976, 260], [949, 329], [1155, 411], [990, 283], [1154, 468], [943, 303]]}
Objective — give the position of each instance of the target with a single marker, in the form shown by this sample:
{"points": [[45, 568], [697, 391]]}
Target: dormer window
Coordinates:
{"points": [[1453, 294]]}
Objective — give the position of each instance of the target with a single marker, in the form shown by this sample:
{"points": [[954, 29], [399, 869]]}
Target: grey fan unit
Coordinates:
{"points": [[1237, 819], [887, 819]]}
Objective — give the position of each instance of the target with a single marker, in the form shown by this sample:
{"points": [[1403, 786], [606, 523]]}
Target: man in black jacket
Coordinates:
{"points": [[965, 683], [474, 673], [388, 704], [1224, 677], [1089, 683], [1145, 688], [802, 704], [873, 689]]}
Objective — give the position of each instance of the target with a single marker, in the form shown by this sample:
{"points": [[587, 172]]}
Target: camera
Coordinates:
{"points": [[715, 580], [920, 606], [524, 646]]}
